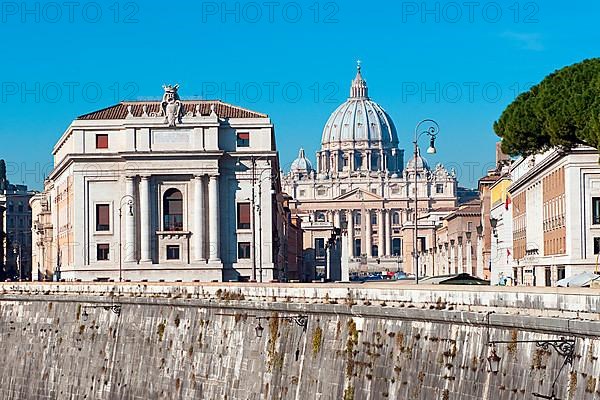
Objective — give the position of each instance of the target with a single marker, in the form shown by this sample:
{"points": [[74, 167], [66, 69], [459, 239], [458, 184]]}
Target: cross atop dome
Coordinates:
{"points": [[359, 89]]}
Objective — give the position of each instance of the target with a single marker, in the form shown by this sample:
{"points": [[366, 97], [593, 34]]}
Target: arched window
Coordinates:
{"points": [[320, 216], [375, 250], [173, 210], [357, 218], [396, 218], [358, 161]]}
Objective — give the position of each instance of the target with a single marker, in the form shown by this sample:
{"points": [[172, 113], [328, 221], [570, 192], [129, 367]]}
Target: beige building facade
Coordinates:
{"points": [[17, 231], [555, 201], [163, 190], [361, 184]]}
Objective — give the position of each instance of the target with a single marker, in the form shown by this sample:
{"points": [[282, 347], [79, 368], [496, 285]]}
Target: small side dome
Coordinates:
{"points": [[421, 163], [301, 165]]}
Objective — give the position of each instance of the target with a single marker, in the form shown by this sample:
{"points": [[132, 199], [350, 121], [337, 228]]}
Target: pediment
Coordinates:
{"points": [[359, 195]]}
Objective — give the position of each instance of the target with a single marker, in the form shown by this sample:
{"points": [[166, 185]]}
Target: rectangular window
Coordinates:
{"points": [[320, 248], [102, 252], [596, 210], [102, 217], [357, 247], [396, 246], [172, 252], [421, 244], [102, 141], [243, 215], [243, 250], [597, 245], [560, 273], [243, 139], [548, 277], [439, 188]]}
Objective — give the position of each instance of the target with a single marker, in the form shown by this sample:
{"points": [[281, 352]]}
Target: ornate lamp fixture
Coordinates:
{"points": [[564, 347], [114, 308], [300, 320]]}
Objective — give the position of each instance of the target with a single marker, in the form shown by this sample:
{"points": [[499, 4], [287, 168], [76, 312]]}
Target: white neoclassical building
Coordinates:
{"points": [[164, 190], [361, 184]]}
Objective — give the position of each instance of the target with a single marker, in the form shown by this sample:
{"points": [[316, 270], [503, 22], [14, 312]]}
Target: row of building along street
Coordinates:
{"points": [[193, 190]]}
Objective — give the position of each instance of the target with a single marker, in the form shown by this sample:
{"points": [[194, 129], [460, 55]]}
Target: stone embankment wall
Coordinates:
{"points": [[372, 341]]}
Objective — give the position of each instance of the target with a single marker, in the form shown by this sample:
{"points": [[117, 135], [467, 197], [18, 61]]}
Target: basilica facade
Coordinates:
{"points": [[163, 190], [361, 184]]}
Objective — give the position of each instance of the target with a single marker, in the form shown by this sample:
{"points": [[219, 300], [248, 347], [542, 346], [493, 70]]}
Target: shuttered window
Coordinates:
{"points": [[102, 217], [173, 210], [243, 215], [102, 252], [102, 141], [243, 139], [596, 210], [244, 250]]}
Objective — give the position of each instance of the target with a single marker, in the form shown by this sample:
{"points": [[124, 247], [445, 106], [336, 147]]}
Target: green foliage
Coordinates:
{"points": [[561, 111], [161, 330], [317, 340], [349, 393]]}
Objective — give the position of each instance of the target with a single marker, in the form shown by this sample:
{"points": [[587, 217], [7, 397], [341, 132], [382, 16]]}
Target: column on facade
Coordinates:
{"points": [[384, 160], [388, 232], [350, 219], [351, 160], [460, 264], [446, 261], [319, 162], [198, 212], [381, 233], [469, 265], [451, 260], [130, 247], [145, 235], [438, 260], [337, 219], [480, 263], [368, 161], [369, 235], [213, 218]]}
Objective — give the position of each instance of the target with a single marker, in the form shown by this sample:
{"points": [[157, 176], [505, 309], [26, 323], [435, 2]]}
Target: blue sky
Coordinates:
{"points": [[460, 63]]}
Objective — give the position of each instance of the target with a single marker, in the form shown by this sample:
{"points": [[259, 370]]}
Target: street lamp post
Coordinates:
{"points": [[128, 203], [432, 131], [253, 161], [259, 208], [18, 263]]}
